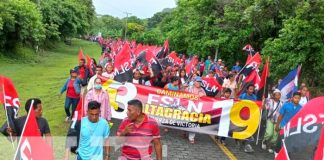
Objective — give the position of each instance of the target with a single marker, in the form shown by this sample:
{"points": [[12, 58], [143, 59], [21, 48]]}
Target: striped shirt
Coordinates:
{"points": [[138, 144]]}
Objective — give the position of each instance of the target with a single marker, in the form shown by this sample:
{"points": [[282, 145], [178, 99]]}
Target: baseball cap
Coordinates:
{"points": [[276, 91], [198, 79]]}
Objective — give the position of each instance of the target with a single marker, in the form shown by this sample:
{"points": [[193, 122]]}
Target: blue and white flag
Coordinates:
{"points": [[289, 84]]}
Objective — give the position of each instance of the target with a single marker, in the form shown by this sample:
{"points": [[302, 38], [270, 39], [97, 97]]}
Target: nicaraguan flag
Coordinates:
{"points": [[289, 84]]}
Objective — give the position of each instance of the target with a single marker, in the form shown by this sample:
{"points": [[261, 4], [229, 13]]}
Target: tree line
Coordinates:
{"points": [[289, 31], [34, 23]]}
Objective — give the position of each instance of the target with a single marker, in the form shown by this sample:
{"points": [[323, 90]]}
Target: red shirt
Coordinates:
{"points": [[71, 91], [82, 72], [138, 142]]}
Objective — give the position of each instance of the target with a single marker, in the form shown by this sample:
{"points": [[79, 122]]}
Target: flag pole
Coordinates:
{"points": [[264, 90], [4, 103], [28, 115]]}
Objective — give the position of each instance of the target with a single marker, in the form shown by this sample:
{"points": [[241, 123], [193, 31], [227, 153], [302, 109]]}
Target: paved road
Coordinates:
{"points": [[176, 147]]}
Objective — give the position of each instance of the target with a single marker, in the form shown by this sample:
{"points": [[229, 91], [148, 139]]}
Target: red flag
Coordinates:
{"points": [[248, 48], [282, 155], [123, 65], [31, 144], [8, 93], [191, 65], [256, 60], [265, 74], [211, 86], [174, 58], [89, 65], [81, 55], [319, 154], [248, 59], [123, 58], [79, 113]]}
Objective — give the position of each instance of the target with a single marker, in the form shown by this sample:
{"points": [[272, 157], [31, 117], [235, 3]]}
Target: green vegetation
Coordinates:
{"points": [[37, 23]]}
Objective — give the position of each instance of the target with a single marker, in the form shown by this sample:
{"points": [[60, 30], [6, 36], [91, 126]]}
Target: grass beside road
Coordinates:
{"points": [[43, 78]]}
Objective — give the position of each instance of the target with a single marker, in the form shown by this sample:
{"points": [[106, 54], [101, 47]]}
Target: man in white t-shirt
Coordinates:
{"points": [[93, 78], [304, 99]]}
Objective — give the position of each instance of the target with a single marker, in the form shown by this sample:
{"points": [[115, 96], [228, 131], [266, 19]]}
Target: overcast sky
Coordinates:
{"points": [[140, 8]]}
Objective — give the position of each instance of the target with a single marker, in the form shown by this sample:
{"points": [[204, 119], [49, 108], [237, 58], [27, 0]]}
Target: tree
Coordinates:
{"points": [[300, 41], [21, 23]]}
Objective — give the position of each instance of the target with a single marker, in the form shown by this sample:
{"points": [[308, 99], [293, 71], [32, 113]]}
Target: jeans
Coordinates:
{"points": [[68, 102]]}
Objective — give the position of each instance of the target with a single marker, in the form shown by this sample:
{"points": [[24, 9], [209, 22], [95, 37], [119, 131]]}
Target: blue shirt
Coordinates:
{"points": [[248, 97], [288, 110], [236, 68], [92, 138]]}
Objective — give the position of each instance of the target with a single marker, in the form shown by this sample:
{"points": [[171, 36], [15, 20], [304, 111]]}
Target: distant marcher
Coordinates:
{"points": [[237, 68], [84, 75], [231, 84], [72, 86], [304, 98], [109, 73]]}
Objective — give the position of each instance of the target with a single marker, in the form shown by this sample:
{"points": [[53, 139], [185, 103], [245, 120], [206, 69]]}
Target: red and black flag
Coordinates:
{"points": [[211, 86], [148, 59], [192, 64], [262, 86], [252, 63], [31, 143], [171, 60], [252, 78], [302, 133], [123, 65], [9, 99], [164, 50], [319, 153], [248, 49]]}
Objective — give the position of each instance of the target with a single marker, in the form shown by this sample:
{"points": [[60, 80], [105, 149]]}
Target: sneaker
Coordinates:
{"points": [[270, 150], [222, 142], [192, 141], [263, 146], [248, 149], [67, 119]]}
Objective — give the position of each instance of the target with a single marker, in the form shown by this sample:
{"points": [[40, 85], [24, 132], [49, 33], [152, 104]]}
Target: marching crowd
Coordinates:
{"points": [[84, 84]]}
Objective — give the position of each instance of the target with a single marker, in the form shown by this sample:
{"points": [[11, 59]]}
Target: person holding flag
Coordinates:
{"points": [[41, 122], [84, 74], [272, 106]]}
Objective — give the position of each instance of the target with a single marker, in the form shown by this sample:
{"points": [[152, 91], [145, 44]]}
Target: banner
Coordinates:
{"points": [[187, 111]]}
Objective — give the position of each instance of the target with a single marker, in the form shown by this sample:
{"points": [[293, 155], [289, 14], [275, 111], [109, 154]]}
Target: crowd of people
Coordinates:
{"points": [[84, 84]]}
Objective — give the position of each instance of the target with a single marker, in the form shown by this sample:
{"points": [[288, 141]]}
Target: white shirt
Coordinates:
{"points": [[303, 101], [135, 81], [108, 75], [91, 82]]}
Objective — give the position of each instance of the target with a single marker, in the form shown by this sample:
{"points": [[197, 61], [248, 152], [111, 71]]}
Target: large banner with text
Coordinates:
{"points": [[187, 111]]}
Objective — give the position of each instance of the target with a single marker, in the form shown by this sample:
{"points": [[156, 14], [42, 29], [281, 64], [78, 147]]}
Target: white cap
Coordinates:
{"points": [[276, 91]]}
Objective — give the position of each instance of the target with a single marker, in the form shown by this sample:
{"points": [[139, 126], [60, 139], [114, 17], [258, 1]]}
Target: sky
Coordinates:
{"points": [[139, 8]]}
